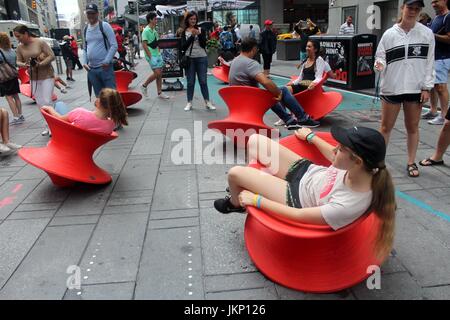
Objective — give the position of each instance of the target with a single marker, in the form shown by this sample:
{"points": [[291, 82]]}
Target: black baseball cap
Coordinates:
{"points": [[409, 2], [91, 8], [367, 143]]}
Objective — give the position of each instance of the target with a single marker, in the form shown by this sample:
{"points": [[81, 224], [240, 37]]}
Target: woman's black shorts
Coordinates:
{"points": [[398, 99], [9, 88], [293, 177]]}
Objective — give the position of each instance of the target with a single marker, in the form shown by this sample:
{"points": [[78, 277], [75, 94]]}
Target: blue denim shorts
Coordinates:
{"points": [[155, 62], [442, 68]]}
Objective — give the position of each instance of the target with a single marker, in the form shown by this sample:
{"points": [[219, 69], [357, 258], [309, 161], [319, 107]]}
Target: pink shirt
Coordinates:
{"points": [[88, 120]]}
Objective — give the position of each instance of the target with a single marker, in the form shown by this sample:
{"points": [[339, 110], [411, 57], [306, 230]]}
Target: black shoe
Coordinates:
{"points": [[294, 125], [225, 206], [71, 79], [309, 123], [67, 78]]}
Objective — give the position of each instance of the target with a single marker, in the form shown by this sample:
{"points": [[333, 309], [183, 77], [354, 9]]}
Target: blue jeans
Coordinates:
{"points": [[61, 108], [197, 66], [101, 78], [292, 104]]}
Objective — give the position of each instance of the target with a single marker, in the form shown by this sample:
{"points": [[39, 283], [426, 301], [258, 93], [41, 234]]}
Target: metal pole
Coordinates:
{"points": [[206, 10]]}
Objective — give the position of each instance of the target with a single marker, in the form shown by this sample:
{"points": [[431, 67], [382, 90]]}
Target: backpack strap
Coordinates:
{"points": [[105, 39]]}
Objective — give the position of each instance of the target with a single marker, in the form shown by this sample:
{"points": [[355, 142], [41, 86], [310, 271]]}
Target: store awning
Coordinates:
{"points": [[200, 6]]}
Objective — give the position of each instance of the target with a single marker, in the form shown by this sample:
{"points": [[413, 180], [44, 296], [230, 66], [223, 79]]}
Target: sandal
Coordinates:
{"points": [[428, 162], [411, 168]]}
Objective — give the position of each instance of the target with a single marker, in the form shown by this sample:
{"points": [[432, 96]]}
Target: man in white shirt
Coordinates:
{"points": [[348, 27]]}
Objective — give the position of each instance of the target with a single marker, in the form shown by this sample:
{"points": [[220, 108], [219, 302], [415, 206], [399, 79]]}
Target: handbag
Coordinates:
{"points": [[7, 71], [185, 59]]}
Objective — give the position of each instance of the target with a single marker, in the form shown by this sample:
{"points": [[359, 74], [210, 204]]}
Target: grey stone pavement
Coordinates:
{"points": [[153, 232]]}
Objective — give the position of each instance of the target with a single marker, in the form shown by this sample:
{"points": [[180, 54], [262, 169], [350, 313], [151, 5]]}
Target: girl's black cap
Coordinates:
{"points": [[409, 2], [367, 143]]}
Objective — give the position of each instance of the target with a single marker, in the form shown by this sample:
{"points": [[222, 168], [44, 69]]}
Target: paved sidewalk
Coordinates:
{"points": [[153, 232]]}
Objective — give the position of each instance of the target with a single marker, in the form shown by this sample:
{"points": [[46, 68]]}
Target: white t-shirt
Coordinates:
{"points": [[324, 187]]}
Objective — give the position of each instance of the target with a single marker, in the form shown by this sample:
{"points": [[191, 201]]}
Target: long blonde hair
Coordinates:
{"points": [[111, 100], [384, 206]]}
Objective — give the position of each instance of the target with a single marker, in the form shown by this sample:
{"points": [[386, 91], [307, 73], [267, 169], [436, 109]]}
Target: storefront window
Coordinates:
{"points": [[245, 16]]}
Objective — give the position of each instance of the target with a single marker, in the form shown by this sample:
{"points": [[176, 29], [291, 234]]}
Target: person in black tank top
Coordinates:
{"points": [[308, 72]]}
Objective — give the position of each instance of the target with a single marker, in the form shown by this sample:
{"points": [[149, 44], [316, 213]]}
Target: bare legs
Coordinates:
{"points": [[4, 120], [15, 104], [271, 154], [156, 75], [412, 112]]}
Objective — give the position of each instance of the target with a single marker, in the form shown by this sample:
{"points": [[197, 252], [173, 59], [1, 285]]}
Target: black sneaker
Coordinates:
{"points": [[309, 123], [225, 206], [294, 125]]}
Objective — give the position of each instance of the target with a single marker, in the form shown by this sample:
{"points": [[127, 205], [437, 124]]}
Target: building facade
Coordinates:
{"points": [[372, 17]]}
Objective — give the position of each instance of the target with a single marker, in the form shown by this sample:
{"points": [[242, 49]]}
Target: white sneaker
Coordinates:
{"points": [[188, 107], [46, 132], [279, 123], [144, 90], [63, 90], [163, 96], [439, 120], [15, 121], [210, 106], [4, 150], [13, 146]]}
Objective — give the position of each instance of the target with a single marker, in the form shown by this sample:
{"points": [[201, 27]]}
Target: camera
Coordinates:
{"points": [[33, 62]]}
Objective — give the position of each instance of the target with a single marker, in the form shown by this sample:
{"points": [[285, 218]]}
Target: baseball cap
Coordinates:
{"points": [[268, 22], [409, 2], [91, 8], [367, 143]]}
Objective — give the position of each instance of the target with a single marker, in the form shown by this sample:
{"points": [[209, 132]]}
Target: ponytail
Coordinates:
{"points": [[384, 206], [112, 100]]}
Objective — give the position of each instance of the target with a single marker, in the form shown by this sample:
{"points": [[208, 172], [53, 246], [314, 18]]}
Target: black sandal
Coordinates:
{"points": [[411, 168], [428, 162], [225, 206]]}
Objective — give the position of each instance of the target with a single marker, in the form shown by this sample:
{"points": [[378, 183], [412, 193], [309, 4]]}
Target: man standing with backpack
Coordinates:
{"points": [[226, 40], [99, 49]]}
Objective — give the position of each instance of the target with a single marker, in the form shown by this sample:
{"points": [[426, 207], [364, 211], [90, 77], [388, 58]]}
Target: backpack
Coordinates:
{"points": [[226, 40], [105, 39]]}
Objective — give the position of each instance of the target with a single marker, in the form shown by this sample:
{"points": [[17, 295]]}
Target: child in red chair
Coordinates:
{"points": [[109, 112], [357, 182]]}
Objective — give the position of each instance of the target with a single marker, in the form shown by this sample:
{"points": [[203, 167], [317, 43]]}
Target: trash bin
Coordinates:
{"points": [[288, 49], [352, 58]]}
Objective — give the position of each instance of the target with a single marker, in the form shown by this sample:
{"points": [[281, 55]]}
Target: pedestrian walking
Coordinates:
{"points": [[347, 28], [150, 39], [267, 45]]}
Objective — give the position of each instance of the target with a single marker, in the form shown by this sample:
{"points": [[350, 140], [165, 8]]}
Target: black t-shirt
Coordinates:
{"points": [[441, 25]]}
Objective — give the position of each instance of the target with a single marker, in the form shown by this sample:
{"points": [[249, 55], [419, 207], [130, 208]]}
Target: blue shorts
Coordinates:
{"points": [[442, 68], [155, 62]]}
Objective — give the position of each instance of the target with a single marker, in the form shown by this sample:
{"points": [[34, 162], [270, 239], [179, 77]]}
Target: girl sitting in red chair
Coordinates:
{"points": [[109, 112], [357, 182], [311, 69]]}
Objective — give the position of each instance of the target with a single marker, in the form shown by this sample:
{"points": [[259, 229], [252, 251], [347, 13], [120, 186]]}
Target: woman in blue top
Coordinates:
{"points": [[10, 89]]}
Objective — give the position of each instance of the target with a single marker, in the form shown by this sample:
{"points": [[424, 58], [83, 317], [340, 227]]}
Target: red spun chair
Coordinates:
{"points": [[221, 73], [123, 80], [317, 102], [247, 106], [67, 158], [311, 258], [24, 77]]}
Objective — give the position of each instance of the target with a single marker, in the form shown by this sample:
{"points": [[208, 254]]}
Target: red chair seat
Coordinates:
{"points": [[24, 77], [130, 97], [247, 106], [123, 80], [67, 158], [311, 258], [221, 73], [317, 102]]}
